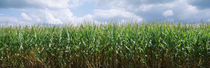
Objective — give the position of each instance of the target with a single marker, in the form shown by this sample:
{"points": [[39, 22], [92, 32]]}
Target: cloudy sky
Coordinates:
{"points": [[78, 11]]}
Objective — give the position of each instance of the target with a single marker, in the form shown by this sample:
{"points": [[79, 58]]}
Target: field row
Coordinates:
{"points": [[130, 45]]}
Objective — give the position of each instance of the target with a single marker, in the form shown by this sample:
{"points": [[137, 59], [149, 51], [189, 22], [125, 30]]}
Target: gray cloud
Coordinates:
{"points": [[153, 10], [13, 3], [105, 10], [201, 4], [34, 3], [156, 1], [129, 3]]}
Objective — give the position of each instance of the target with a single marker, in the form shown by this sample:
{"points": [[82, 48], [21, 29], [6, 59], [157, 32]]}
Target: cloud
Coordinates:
{"points": [[156, 1], [59, 11], [8, 20], [77, 3], [49, 16], [25, 16], [149, 10], [34, 4], [128, 4], [46, 13], [41, 11], [116, 13], [208, 20], [50, 19], [144, 7], [201, 4], [168, 13]]}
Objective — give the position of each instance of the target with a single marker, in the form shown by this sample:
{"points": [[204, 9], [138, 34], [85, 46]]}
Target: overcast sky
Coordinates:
{"points": [[78, 11]]}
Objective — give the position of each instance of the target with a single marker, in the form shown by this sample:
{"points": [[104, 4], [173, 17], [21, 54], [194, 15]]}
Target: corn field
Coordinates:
{"points": [[105, 46]]}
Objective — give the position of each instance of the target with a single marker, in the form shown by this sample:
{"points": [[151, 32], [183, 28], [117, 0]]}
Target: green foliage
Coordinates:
{"points": [[128, 45]]}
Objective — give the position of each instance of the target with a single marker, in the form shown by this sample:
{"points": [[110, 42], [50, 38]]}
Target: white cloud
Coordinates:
{"points": [[65, 16], [42, 11], [112, 13], [76, 3], [59, 11], [50, 19], [49, 16], [168, 13], [54, 16], [145, 7], [8, 20], [25, 16]]}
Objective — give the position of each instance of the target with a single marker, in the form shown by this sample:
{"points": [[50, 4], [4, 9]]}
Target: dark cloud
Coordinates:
{"points": [[148, 10], [34, 3], [13, 3], [201, 4]]}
